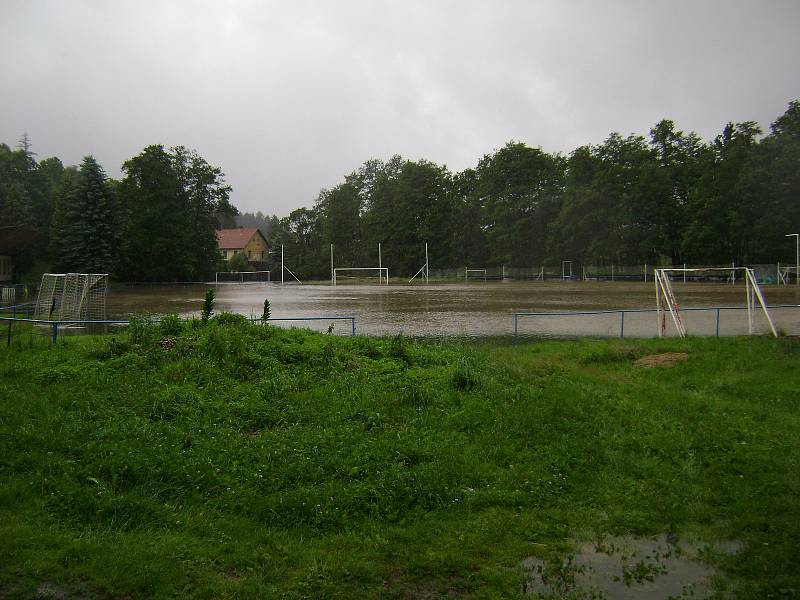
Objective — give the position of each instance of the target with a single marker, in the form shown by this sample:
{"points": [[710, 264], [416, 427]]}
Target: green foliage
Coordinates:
{"points": [[238, 262], [208, 306], [171, 325], [267, 312], [228, 319], [231, 463]]}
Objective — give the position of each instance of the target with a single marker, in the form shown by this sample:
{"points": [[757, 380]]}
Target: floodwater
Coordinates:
{"points": [[629, 568], [475, 309]]}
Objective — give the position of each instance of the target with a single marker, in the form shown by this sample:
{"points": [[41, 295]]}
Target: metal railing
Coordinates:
{"points": [[622, 312]]}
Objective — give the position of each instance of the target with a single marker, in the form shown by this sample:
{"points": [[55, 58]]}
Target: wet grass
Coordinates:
{"points": [[236, 460]]}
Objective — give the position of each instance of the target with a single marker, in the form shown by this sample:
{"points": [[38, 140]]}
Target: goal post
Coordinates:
{"points": [[242, 277], [474, 274], [666, 301], [72, 297], [382, 273]]}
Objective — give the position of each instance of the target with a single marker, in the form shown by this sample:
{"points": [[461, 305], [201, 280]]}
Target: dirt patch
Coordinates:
{"points": [[667, 359], [627, 568]]}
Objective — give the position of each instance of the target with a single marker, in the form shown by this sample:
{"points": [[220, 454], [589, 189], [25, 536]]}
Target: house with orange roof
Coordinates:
{"points": [[248, 240]]}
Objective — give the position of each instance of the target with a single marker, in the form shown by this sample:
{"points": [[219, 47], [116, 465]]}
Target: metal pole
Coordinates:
{"points": [[353, 323], [622, 324], [797, 256], [333, 273], [55, 331], [612, 271], [427, 267], [733, 272], [282, 264], [516, 326], [717, 321], [684, 272], [645, 272]]}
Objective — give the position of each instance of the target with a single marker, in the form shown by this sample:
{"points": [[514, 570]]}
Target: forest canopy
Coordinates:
{"points": [[665, 198]]}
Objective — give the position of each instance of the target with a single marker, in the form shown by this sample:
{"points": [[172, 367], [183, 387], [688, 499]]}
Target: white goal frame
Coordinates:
{"points": [[784, 271], [666, 300], [72, 297], [383, 273], [468, 271], [242, 278]]}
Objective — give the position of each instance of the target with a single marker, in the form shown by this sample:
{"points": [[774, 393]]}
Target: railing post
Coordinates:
{"points": [[717, 321], [622, 324], [516, 320], [55, 331], [353, 323]]}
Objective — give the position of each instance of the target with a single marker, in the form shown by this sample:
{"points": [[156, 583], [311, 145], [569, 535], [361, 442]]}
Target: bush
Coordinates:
{"points": [[227, 318], [208, 306], [238, 262], [171, 325]]}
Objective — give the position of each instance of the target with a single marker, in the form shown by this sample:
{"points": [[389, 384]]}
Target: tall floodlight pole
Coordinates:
{"points": [[333, 273], [281, 264], [796, 237], [380, 264]]}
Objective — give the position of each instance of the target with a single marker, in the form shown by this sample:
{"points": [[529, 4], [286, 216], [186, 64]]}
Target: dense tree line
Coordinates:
{"points": [[668, 198], [156, 224]]}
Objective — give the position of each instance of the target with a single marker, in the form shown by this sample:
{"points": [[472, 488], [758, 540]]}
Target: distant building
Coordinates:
{"points": [[248, 240], [13, 239]]}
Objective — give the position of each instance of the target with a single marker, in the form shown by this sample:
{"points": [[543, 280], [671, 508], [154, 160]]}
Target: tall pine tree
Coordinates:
{"points": [[85, 236]]}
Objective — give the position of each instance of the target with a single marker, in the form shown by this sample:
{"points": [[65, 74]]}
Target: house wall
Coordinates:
{"points": [[257, 249], [5, 268]]}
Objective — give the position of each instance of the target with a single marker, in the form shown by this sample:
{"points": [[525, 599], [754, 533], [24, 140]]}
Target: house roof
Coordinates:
{"points": [[235, 239]]}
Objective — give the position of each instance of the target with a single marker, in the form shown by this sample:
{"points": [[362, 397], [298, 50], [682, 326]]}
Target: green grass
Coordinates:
{"points": [[250, 461]]}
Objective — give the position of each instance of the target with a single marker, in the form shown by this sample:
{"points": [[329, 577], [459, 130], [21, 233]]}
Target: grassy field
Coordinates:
{"points": [[236, 460]]}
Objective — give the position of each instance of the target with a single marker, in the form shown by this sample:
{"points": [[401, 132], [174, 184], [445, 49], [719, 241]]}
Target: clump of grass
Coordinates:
{"points": [[465, 374]]}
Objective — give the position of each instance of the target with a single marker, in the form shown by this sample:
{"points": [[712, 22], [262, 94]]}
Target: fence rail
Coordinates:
{"points": [[717, 310]]}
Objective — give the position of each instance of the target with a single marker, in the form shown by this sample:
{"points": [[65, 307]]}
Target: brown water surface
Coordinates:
{"points": [[474, 309]]}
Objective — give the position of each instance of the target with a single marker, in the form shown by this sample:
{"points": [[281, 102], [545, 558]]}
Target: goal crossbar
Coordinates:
{"points": [[667, 301], [242, 276], [383, 273], [468, 271]]}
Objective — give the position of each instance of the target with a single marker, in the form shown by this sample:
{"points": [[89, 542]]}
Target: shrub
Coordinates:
{"points": [[238, 262], [141, 329], [208, 306], [465, 375], [171, 325], [227, 319], [266, 313]]}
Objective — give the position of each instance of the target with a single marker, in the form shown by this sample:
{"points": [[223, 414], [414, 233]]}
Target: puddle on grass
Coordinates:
{"points": [[627, 568]]}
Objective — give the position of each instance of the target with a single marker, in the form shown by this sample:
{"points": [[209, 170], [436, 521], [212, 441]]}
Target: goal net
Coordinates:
{"points": [[72, 297], [474, 274], [353, 273], [667, 302], [242, 277]]}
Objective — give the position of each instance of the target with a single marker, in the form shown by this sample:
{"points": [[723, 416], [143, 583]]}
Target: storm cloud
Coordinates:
{"points": [[288, 97]]}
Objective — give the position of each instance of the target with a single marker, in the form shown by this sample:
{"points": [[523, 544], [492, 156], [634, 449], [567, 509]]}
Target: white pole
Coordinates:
{"points": [[684, 272], [281, 264], [749, 305], [797, 256], [612, 271], [427, 267], [333, 273], [733, 273], [645, 272]]}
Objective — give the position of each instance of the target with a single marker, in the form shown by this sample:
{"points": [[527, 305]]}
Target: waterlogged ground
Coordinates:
{"points": [[476, 309]]}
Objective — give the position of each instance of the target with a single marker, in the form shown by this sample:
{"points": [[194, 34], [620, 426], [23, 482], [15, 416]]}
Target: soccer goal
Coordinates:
{"points": [[474, 274], [242, 277], [350, 273], [785, 274], [72, 297], [666, 300]]}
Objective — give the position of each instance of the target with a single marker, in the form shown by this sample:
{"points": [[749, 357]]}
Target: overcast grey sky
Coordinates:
{"points": [[287, 97]]}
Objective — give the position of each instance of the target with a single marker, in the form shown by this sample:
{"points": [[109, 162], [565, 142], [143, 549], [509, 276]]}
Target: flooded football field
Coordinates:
{"points": [[478, 309]]}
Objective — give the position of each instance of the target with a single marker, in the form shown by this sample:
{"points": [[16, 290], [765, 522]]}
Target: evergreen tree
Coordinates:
{"points": [[86, 240]]}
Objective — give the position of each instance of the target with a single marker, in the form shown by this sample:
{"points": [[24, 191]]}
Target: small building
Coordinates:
{"points": [[248, 240]]}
